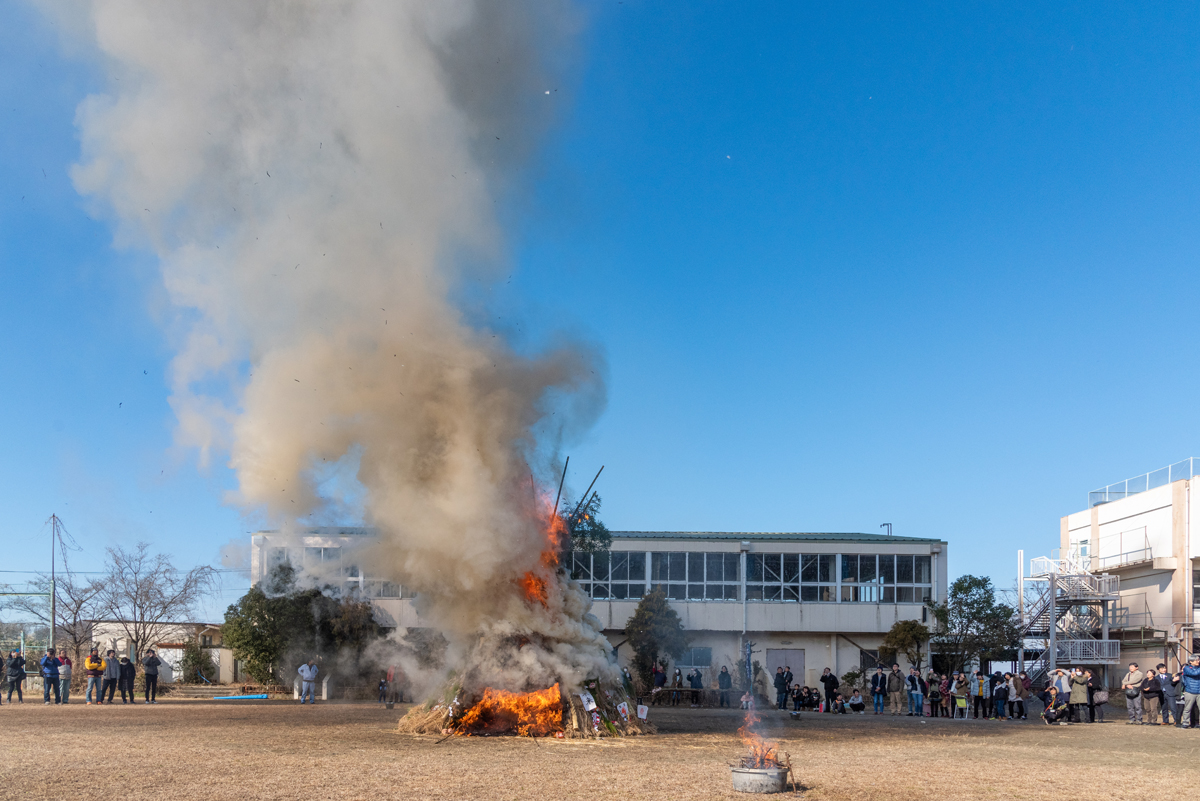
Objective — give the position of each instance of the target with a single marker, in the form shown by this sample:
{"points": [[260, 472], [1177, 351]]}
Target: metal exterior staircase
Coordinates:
{"points": [[1068, 621]]}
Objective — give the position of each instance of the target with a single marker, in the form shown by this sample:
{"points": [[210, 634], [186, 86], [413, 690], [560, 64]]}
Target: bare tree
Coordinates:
{"points": [[78, 605], [145, 594]]}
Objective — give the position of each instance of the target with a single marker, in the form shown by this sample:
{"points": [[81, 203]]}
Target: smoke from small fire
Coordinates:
{"points": [[312, 177]]}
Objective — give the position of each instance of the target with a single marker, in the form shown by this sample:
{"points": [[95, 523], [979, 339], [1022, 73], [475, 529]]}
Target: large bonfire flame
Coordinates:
{"points": [[528, 714]]}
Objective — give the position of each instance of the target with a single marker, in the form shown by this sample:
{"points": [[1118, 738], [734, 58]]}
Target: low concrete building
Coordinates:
{"points": [[169, 645], [805, 600]]}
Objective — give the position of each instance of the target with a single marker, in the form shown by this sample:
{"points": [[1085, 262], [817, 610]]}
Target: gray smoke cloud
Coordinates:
{"points": [[312, 176]]}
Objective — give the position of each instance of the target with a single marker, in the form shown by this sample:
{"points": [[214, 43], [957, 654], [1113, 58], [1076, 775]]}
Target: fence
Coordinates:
{"points": [[1131, 547]]}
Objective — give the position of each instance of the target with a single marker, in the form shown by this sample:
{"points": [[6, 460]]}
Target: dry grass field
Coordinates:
{"points": [[279, 750]]}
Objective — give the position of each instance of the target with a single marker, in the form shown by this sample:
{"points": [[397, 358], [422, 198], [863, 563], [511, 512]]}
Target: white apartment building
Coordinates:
{"points": [[805, 600], [1144, 530]]}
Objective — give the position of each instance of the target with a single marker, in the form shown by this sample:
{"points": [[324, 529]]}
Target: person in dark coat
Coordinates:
{"points": [[660, 683], [830, 682], [724, 684], [15, 670], [695, 680], [781, 689], [126, 674], [150, 665]]}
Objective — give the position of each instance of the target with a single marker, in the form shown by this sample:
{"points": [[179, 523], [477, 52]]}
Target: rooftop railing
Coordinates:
{"points": [[1147, 481]]}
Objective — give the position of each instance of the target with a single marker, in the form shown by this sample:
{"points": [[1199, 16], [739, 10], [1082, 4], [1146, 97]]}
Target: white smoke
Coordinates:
{"points": [[311, 176]]}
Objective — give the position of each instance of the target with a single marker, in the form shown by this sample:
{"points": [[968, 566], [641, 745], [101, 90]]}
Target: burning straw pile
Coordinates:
{"points": [[588, 712], [761, 753]]}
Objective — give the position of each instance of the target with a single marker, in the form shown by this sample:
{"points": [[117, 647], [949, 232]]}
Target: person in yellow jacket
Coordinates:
{"points": [[94, 665]]}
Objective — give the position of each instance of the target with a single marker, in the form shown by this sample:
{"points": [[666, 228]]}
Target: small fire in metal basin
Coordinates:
{"points": [[764, 768]]}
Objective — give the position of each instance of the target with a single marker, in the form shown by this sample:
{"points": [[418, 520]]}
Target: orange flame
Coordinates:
{"points": [[763, 753], [528, 714], [534, 588]]}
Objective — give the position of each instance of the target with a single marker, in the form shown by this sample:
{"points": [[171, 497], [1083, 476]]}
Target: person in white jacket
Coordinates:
{"points": [[308, 681]]}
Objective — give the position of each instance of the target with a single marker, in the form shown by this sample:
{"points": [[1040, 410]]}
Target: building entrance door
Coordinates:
{"points": [[784, 657]]}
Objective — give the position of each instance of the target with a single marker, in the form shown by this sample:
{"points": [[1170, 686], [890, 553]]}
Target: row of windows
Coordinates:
{"points": [[327, 559], [873, 578]]}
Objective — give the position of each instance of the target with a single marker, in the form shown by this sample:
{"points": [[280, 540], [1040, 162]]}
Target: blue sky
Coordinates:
{"points": [[933, 266]]}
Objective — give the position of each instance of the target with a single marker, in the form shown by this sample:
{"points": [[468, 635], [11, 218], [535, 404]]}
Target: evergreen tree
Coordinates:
{"points": [[655, 629]]}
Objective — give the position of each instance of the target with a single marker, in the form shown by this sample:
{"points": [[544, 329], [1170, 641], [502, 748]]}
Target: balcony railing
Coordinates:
{"points": [[1147, 481], [1088, 652]]}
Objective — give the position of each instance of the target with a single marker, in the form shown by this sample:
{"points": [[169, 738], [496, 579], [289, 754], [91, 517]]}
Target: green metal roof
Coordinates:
{"points": [[767, 536]]}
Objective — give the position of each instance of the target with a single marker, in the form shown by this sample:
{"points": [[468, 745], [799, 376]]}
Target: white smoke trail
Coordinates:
{"points": [[309, 175]]}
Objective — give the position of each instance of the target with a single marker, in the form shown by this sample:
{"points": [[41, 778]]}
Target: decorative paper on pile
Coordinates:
{"points": [[623, 708], [643, 711], [596, 721], [589, 703]]}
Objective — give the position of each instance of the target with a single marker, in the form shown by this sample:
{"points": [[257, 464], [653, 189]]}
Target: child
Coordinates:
{"points": [[839, 704], [857, 704], [747, 700], [797, 697], [383, 688], [1000, 700]]}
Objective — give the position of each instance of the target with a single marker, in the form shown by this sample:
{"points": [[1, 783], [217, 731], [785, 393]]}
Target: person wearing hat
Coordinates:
{"points": [[1191, 689]]}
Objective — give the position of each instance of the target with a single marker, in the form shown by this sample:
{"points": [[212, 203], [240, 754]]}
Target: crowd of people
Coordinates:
{"points": [[106, 675], [1070, 696], [1065, 697]]}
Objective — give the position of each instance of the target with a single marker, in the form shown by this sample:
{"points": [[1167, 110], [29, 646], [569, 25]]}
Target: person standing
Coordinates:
{"points": [[150, 665], [1097, 696], [1079, 694], [15, 670], [383, 690], [676, 687], [308, 681], [879, 689], [780, 688], [126, 675], [1170, 695], [1151, 697], [724, 684], [94, 665], [983, 700], [895, 687], [65, 668], [916, 695], [1189, 677], [49, 666], [696, 682], [1018, 693], [112, 675], [830, 682], [1131, 683]]}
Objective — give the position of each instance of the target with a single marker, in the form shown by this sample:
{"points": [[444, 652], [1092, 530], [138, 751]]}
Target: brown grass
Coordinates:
{"points": [[279, 750]]}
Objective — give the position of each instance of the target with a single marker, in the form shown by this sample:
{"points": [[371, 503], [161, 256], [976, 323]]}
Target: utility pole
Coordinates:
{"points": [[54, 522]]}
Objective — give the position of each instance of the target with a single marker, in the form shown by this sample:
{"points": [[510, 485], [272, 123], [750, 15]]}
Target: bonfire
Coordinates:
{"points": [[542, 630]]}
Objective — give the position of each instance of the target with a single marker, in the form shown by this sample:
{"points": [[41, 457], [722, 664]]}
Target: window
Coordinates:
{"points": [[697, 576], [315, 557], [206, 641], [277, 556], [377, 588], [694, 658], [619, 575], [790, 577], [884, 578]]}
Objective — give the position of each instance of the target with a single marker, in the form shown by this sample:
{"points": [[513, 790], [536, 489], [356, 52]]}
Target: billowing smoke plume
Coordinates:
{"points": [[311, 176]]}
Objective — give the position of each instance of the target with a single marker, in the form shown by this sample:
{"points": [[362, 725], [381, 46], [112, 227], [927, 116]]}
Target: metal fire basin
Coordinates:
{"points": [[759, 780]]}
